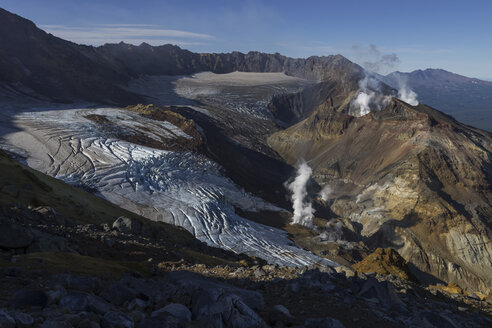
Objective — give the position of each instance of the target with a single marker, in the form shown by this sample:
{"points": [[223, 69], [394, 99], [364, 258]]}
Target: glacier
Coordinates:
{"points": [[181, 188]]}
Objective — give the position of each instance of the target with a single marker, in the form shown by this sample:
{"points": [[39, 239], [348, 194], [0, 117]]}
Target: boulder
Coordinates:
{"points": [[71, 281], [6, 321], [137, 304], [119, 294], [116, 320], [179, 311], [283, 310], [163, 322], [381, 292], [75, 301], [192, 284], [80, 301], [98, 305], [86, 323], [434, 319], [55, 324], [280, 316], [348, 272], [45, 242], [127, 225], [215, 305], [26, 298], [55, 295], [323, 323], [259, 273], [14, 236], [22, 320]]}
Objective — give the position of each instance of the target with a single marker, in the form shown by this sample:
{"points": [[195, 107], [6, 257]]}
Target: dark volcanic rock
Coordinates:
{"points": [[179, 311], [75, 301], [22, 319], [119, 294], [29, 298], [116, 320], [71, 281], [6, 319], [381, 292], [323, 323], [14, 236], [127, 225]]}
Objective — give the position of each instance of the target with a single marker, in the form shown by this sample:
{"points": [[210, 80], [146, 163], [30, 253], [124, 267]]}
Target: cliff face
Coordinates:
{"points": [[172, 60], [412, 177], [33, 60]]}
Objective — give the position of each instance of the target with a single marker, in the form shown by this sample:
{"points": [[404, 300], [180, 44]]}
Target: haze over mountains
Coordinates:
{"points": [[212, 142], [467, 99]]}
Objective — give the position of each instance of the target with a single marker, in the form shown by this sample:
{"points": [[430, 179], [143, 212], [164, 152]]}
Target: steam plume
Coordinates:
{"points": [[303, 210], [369, 96], [326, 192], [375, 61], [408, 96], [404, 92], [333, 231]]}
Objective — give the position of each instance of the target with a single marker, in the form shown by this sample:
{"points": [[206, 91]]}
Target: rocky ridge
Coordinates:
{"points": [[411, 177], [34, 63]]}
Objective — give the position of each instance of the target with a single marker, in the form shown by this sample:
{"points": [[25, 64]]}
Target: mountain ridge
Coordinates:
{"points": [[111, 66], [467, 99]]}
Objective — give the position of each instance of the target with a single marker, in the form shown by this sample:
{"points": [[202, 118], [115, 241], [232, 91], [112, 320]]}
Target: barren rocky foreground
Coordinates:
{"points": [[129, 273]]}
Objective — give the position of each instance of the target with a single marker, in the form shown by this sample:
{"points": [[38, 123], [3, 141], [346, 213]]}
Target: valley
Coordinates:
{"points": [[201, 180]]}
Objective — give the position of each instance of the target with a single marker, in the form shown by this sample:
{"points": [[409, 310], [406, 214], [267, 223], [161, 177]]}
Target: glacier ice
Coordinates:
{"points": [[181, 188]]}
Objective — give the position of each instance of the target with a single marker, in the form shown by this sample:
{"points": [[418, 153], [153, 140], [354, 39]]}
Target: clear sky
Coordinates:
{"points": [[453, 35]]}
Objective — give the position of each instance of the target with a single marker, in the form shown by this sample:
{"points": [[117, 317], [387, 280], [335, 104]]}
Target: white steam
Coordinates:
{"points": [[369, 97], [326, 192], [303, 210], [333, 231], [404, 92], [409, 96], [362, 101]]}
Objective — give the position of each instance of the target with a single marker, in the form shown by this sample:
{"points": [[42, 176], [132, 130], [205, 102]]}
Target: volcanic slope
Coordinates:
{"points": [[412, 178]]}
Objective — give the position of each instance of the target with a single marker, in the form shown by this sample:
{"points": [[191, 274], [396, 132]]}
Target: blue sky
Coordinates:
{"points": [[453, 35]]}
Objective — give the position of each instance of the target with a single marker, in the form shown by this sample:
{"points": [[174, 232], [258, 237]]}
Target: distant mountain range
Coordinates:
{"points": [[469, 100], [33, 62], [63, 71]]}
